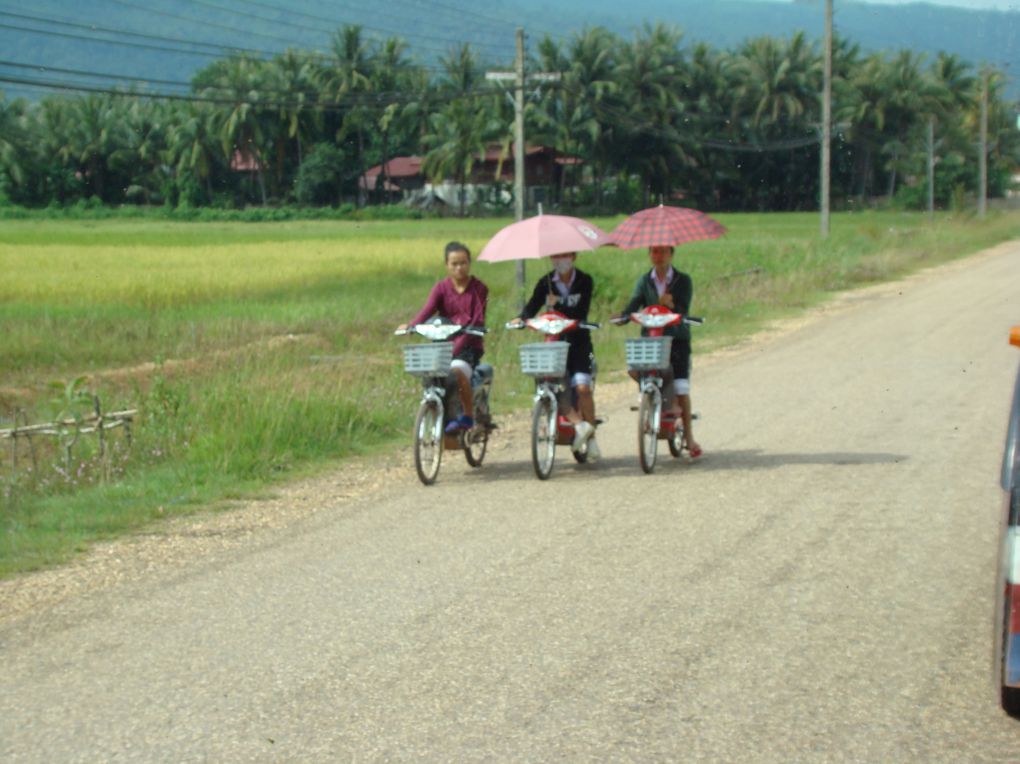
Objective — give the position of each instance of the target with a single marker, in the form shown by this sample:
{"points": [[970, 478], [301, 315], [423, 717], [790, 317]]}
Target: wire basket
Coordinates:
{"points": [[544, 359], [648, 353], [430, 359]]}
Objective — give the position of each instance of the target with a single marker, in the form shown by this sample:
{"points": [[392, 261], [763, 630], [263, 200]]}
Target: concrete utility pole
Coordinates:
{"points": [[826, 159], [519, 79], [983, 149], [931, 170]]}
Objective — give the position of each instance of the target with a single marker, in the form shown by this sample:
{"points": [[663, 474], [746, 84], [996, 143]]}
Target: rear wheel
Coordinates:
{"points": [[648, 436], [476, 440], [428, 441], [543, 437]]}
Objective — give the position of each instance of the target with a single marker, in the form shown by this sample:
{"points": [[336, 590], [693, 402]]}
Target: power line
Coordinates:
{"points": [[216, 52], [123, 43], [373, 102], [332, 20], [217, 49]]}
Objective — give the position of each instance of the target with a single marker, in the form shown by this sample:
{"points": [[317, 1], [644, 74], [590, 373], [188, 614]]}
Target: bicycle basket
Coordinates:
{"points": [[429, 359], [648, 353], [544, 359]]}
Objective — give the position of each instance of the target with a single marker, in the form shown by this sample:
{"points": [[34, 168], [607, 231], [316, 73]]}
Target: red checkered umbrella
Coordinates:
{"points": [[665, 226]]}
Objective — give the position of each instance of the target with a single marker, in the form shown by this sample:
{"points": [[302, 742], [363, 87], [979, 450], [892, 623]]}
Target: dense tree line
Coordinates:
{"points": [[649, 118]]}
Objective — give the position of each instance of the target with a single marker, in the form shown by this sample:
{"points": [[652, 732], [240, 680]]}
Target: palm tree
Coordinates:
{"points": [[649, 79], [12, 114], [460, 131], [291, 80], [237, 83], [776, 99], [569, 115], [346, 82], [97, 135], [391, 75], [192, 146]]}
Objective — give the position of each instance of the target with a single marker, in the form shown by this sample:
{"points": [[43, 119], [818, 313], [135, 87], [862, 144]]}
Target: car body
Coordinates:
{"points": [[1007, 623]]}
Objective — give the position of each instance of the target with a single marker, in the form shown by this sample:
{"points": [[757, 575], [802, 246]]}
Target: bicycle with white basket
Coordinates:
{"points": [[648, 358], [431, 362], [547, 363]]}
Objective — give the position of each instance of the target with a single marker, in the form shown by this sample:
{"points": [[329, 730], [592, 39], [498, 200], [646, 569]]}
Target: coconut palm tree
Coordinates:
{"points": [[649, 79], [459, 132], [346, 82], [776, 102], [12, 134], [290, 79], [391, 77], [192, 148], [568, 116], [241, 118]]}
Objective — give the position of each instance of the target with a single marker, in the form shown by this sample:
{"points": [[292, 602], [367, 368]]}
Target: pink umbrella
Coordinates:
{"points": [[541, 236], [665, 226]]}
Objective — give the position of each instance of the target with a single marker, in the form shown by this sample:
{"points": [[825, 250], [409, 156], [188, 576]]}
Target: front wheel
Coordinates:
{"points": [[543, 437], [648, 433], [476, 440], [428, 441]]}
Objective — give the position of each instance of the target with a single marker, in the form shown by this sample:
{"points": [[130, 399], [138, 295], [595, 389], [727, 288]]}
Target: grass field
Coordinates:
{"points": [[257, 352]]}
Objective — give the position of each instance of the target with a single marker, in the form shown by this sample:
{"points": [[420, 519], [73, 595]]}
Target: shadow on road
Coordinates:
{"points": [[723, 460], [759, 459]]}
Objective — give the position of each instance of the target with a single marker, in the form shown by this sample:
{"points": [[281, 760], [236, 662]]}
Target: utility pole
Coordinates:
{"points": [[931, 170], [983, 149], [519, 79], [826, 123], [519, 185]]}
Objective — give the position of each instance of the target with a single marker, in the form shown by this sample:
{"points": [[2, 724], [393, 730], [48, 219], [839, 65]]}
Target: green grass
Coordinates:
{"points": [[261, 351]]}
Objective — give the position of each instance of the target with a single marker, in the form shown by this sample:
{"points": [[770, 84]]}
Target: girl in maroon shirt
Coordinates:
{"points": [[461, 298]]}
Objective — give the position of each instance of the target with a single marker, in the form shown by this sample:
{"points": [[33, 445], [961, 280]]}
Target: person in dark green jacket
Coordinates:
{"points": [[664, 285]]}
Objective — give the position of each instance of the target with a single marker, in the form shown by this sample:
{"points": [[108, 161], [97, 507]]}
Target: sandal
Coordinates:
{"points": [[463, 422]]}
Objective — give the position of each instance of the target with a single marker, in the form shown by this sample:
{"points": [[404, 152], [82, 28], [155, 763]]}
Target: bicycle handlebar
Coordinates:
{"points": [[621, 320], [477, 331]]}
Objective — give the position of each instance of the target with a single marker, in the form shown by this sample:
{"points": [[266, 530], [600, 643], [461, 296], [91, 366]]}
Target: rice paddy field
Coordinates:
{"points": [[256, 352]]}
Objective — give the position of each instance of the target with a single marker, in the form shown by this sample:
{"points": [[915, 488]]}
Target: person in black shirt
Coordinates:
{"points": [[568, 290]]}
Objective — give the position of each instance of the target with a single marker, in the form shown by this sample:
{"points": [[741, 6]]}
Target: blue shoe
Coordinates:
{"points": [[463, 422]]}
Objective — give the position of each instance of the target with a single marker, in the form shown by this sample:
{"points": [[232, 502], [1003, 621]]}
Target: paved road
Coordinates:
{"points": [[819, 588]]}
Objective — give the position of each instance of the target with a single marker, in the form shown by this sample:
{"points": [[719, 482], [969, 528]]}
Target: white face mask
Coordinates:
{"points": [[563, 265]]}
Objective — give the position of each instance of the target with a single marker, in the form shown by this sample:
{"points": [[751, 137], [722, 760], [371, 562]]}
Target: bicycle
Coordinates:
{"points": [[546, 362], [648, 357], [431, 362]]}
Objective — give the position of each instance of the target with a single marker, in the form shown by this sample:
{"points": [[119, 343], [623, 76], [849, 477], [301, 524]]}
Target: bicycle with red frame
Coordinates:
{"points": [[648, 359], [546, 362]]}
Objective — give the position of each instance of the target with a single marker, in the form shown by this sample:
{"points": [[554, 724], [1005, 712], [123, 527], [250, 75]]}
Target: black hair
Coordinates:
{"points": [[455, 246]]}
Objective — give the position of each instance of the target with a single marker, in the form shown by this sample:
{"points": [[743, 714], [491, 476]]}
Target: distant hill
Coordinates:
{"points": [[167, 27]]}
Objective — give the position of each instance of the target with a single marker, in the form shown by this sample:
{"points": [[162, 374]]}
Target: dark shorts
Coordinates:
{"points": [[469, 355], [680, 358], [580, 359]]}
